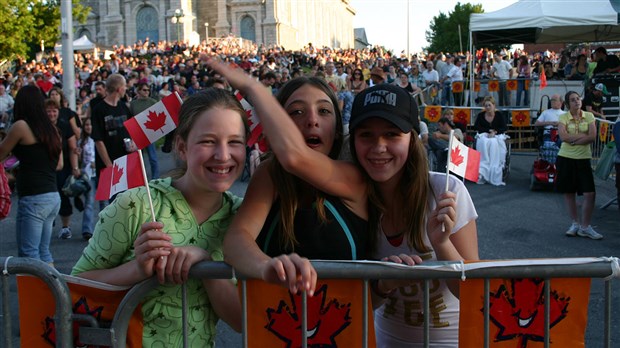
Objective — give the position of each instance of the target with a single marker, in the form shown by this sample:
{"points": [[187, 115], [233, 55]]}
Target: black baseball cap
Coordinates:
{"points": [[389, 102]]}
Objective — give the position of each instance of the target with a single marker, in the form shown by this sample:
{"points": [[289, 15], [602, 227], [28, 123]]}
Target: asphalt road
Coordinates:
{"points": [[513, 223]]}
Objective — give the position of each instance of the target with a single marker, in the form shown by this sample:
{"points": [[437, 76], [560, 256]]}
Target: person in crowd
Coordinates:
{"points": [[446, 81], [285, 220], [66, 114], [403, 82], [502, 70], [549, 118], [456, 75], [193, 211], [377, 76], [550, 74], [107, 118], [523, 76], [408, 207], [605, 63], [6, 107], [70, 167], [577, 130], [439, 141], [579, 71], [491, 125], [593, 100], [100, 93], [356, 82], [86, 147], [431, 78], [35, 141], [391, 74], [142, 102], [416, 77]]}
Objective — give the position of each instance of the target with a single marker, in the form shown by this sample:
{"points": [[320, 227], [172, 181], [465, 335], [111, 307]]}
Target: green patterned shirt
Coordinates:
{"points": [[112, 245]]}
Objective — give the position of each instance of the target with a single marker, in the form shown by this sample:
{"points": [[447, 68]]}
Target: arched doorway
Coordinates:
{"points": [[248, 28], [147, 24], [83, 32]]}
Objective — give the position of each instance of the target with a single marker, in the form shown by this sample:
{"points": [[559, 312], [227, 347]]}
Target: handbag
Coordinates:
{"points": [[75, 187], [5, 194], [606, 161]]}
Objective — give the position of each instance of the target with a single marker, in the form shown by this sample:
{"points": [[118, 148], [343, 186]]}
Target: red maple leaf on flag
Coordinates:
{"points": [[117, 174], [519, 312], [156, 121], [455, 156], [326, 319]]}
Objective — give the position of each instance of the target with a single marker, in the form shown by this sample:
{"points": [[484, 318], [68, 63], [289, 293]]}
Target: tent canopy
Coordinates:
{"points": [[81, 44], [544, 21]]}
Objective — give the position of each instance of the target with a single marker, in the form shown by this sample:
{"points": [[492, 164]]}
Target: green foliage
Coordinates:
{"points": [[26, 22], [443, 33]]}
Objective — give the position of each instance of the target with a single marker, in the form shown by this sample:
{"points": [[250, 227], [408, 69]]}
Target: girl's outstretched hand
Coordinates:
{"points": [[151, 245], [441, 220], [237, 78], [175, 267], [292, 271]]}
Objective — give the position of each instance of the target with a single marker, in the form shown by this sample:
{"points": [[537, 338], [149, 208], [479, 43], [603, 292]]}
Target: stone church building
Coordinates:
{"points": [[288, 23]]}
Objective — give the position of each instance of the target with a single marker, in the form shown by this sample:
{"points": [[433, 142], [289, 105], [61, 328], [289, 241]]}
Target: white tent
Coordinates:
{"points": [[81, 44], [548, 21]]}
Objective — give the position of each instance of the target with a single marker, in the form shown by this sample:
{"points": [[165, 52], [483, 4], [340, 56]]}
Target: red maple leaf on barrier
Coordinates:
{"points": [[156, 121], [79, 307], [455, 156], [325, 320], [117, 174], [520, 313], [461, 116]]}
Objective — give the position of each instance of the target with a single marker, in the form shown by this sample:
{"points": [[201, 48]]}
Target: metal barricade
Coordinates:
{"points": [[599, 268]]}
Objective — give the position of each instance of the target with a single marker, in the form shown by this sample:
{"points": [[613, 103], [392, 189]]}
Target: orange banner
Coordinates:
{"points": [[602, 132], [476, 86], [37, 309], [520, 118], [516, 311], [432, 113], [334, 315], [527, 84], [457, 87], [462, 115], [493, 86], [511, 85]]}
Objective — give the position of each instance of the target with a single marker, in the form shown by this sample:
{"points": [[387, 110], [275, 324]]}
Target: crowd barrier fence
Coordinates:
{"points": [[547, 269]]}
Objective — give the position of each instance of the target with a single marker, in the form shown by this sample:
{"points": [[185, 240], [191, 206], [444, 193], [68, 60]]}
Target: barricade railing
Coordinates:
{"points": [[604, 134], [58, 287], [546, 269]]}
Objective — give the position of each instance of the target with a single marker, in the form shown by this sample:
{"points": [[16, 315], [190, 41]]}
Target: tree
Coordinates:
{"points": [[443, 33], [27, 22]]}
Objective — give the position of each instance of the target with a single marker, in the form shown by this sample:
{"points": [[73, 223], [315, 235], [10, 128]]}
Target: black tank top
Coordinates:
{"points": [[37, 172], [344, 236]]}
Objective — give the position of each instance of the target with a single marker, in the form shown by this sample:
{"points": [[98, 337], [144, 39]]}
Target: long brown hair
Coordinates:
{"points": [[29, 106], [287, 185], [412, 200]]}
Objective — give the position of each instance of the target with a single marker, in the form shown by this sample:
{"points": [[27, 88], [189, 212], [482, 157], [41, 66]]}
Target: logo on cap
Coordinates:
{"points": [[380, 97]]}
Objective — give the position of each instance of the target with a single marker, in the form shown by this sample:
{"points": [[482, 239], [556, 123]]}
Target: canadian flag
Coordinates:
{"points": [[256, 129], [125, 173], [155, 122], [464, 161]]}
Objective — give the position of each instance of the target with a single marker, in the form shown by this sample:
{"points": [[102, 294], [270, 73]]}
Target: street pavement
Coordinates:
{"points": [[513, 223]]}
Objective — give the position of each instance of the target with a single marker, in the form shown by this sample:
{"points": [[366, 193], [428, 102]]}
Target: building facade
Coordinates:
{"points": [[288, 23]]}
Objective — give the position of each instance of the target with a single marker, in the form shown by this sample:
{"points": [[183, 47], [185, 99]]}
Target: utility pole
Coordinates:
{"points": [[68, 72]]}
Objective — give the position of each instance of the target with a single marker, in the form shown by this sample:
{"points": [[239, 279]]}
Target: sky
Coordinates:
{"points": [[385, 21]]}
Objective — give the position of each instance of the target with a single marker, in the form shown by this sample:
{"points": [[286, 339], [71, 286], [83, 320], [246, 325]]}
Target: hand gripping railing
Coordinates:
{"points": [[56, 284]]}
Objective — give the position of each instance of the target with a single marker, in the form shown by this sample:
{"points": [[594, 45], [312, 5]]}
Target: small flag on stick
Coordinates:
{"points": [[256, 129], [125, 173], [463, 161], [155, 122]]}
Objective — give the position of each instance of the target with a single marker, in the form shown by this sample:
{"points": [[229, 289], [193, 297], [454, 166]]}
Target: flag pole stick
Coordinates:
{"points": [[449, 158], [146, 183], [451, 136]]}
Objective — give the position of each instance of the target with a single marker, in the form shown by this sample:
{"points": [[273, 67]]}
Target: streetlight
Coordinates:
{"points": [[176, 19], [207, 32]]}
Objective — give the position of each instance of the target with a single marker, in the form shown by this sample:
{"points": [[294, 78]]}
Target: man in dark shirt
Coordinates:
{"points": [[107, 119], [593, 100], [606, 63]]}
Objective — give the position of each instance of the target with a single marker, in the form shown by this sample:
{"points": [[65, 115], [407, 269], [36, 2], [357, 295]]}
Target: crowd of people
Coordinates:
{"points": [[383, 203]]}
